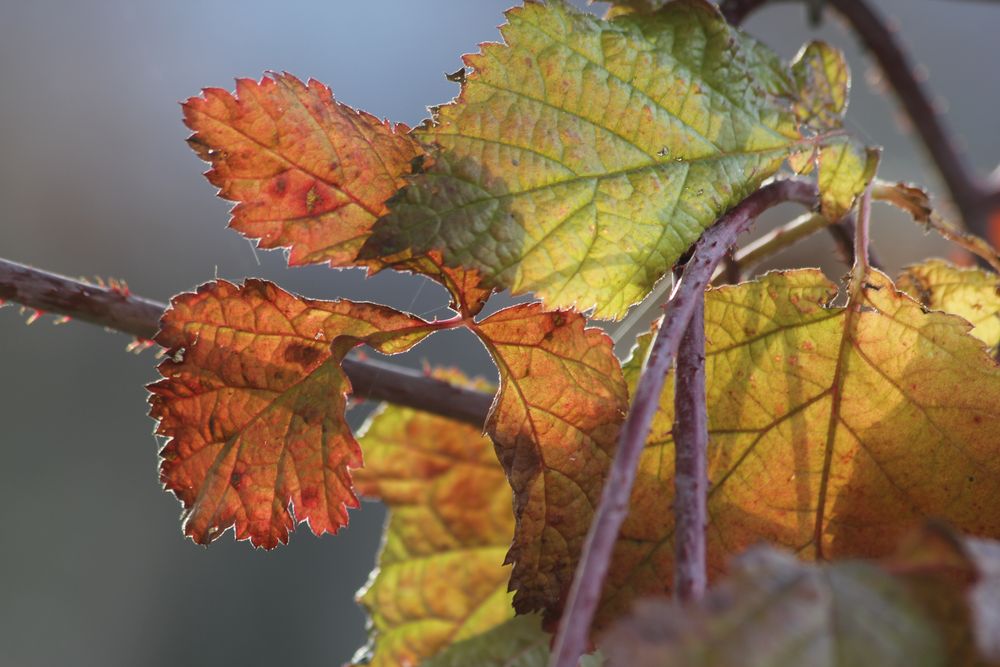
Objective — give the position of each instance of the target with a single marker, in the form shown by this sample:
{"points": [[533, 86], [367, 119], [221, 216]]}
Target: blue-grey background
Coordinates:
{"points": [[95, 179]]}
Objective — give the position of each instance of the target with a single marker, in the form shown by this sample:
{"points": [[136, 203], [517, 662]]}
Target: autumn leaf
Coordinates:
{"points": [[440, 577], [773, 610], [846, 168], [970, 293], [306, 172], [832, 430], [520, 642], [312, 175], [823, 82], [252, 403], [583, 156], [555, 424]]}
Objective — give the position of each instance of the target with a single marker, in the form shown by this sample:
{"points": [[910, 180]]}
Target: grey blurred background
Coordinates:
{"points": [[95, 179]]}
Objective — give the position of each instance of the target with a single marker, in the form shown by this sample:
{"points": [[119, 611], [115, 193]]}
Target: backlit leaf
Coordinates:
{"points": [[823, 80], [845, 170], [520, 642], [583, 157], [306, 172], [774, 611], [440, 577], [968, 292], [555, 424], [832, 430], [252, 402]]}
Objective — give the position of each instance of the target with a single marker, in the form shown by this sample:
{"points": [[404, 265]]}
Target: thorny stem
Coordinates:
{"points": [[588, 581], [975, 200], [690, 460], [140, 317]]}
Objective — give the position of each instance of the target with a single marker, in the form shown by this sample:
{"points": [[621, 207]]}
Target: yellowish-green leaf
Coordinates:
{"points": [[520, 642], [832, 430], [823, 80], [583, 156], [968, 292], [440, 577], [774, 611], [845, 170]]}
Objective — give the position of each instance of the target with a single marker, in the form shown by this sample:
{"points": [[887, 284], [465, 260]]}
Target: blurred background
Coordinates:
{"points": [[95, 180]]}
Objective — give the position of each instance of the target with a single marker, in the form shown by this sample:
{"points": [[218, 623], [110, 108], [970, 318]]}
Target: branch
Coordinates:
{"points": [[973, 199], [140, 317], [690, 460], [588, 581]]}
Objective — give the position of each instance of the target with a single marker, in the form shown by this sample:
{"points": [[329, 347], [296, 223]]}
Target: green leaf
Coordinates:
{"points": [[925, 607], [583, 156], [520, 642]]}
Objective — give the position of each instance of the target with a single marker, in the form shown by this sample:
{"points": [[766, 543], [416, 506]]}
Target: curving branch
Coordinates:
{"points": [[588, 581], [975, 200], [116, 309]]}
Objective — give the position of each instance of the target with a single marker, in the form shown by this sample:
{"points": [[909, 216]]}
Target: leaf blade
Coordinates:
{"points": [[252, 402]]}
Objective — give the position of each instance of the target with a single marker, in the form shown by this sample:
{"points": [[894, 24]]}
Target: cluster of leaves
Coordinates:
{"points": [[580, 161]]}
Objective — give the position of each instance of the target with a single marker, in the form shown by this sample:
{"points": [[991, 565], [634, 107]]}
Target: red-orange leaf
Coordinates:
{"points": [[253, 401], [306, 172], [555, 424]]}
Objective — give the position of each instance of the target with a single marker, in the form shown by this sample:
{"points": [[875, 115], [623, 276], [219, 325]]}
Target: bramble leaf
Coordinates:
{"points": [[555, 424], [520, 642], [440, 577], [823, 82], [967, 292], [845, 170], [832, 430], [583, 157], [773, 610], [306, 172], [252, 402]]}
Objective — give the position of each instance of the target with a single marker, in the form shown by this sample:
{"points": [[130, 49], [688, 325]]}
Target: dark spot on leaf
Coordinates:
{"points": [[302, 354]]}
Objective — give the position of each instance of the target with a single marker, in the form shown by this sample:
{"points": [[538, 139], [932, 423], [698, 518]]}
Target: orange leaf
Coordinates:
{"points": [[253, 401], [306, 172], [312, 175], [555, 424]]}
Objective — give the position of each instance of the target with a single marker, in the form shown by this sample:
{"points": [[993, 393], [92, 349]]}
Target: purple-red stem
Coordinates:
{"points": [[588, 581], [690, 459], [976, 201], [52, 293]]}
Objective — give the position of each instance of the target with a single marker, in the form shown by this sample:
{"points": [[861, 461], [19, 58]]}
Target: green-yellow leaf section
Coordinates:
{"points": [[833, 430], [846, 168], [968, 292], [584, 156], [520, 642], [823, 81], [440, 577]]}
